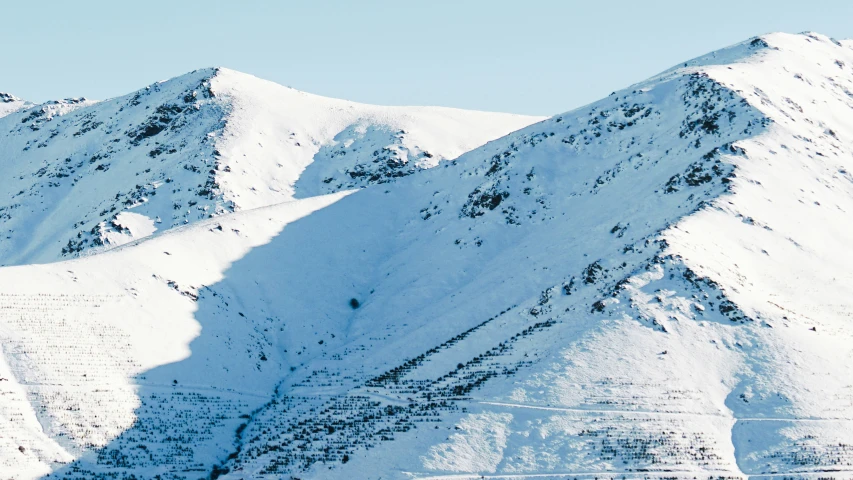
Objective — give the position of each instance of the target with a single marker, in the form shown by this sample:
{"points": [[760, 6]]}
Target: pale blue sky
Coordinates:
{"points": [[531, 56]]}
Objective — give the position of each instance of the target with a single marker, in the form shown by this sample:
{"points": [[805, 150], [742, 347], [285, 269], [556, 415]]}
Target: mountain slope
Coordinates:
{"points": [[82, 175], [652, 286]]}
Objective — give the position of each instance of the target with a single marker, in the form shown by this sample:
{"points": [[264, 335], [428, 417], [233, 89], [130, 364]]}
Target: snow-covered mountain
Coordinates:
{"points": [[10, 103], [652, 286], [82, 175]]}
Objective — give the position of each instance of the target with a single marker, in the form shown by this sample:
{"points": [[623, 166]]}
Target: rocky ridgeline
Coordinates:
{"points": [[79, 165]]}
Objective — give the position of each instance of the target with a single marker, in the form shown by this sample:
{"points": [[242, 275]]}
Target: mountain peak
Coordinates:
{"points": [[8, 98], [200, 145]]}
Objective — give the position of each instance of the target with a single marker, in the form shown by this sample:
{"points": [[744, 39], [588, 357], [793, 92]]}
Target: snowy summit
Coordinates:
{"points": [[219, 277]]}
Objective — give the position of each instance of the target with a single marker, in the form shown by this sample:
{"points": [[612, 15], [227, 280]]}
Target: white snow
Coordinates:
{"points": [[655, 285], [129, 226], [479, 447]]}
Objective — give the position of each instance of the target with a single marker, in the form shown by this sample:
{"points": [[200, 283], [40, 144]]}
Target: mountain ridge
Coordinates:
{"points": [[110, 159]]}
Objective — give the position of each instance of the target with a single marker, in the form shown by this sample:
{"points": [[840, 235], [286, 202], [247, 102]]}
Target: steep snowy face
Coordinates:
{"points": [[778, 248], [72, 167], [652, 286], [194, 147]]}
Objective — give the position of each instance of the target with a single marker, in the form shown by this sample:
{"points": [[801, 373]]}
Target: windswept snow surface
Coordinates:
{"points": [[656, 285]]}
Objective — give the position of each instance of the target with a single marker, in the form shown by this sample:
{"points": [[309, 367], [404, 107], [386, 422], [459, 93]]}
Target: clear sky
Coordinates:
{"points": [[523, 56]]}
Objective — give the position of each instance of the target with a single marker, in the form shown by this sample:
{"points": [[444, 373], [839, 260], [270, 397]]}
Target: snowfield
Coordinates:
{"points": [[656, 285]]}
